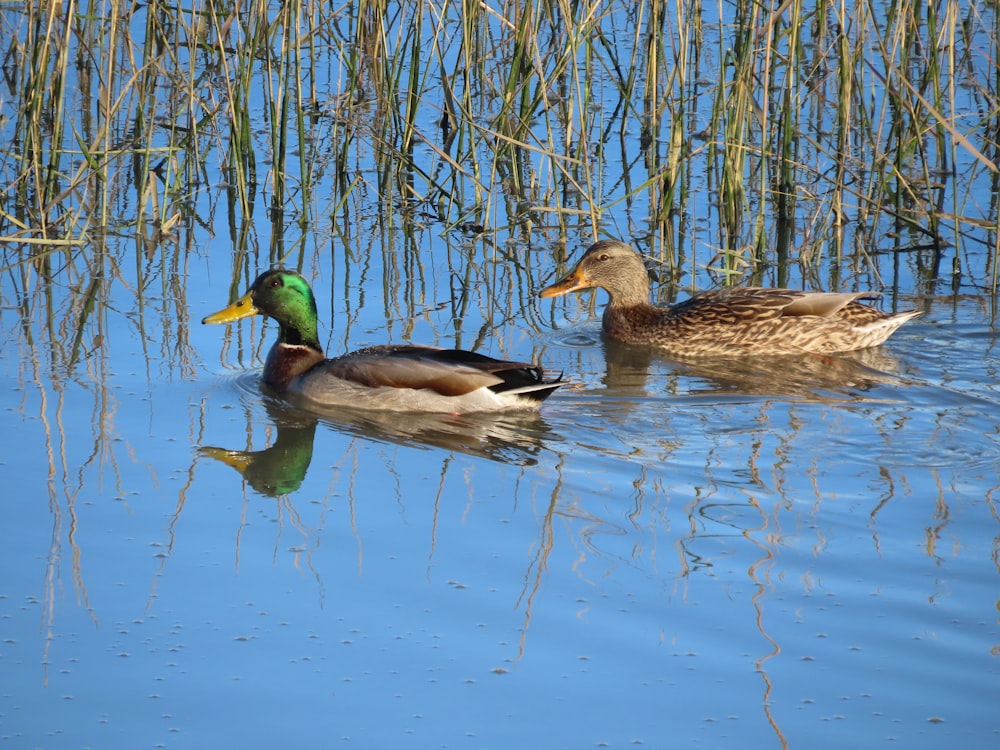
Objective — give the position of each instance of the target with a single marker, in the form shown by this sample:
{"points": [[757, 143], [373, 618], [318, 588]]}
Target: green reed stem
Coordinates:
{"points": [[536, 118]]}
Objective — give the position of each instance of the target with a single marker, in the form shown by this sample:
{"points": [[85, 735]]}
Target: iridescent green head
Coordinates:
{"points": [[280, 294]]}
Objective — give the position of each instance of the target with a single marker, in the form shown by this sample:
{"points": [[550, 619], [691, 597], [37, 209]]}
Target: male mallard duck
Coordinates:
{"points": [[725, 321], [399, 378]]}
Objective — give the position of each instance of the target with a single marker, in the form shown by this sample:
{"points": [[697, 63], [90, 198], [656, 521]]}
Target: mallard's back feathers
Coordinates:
{"points": [[733, 321], [428, 379], [391, 377], [450, 372]]}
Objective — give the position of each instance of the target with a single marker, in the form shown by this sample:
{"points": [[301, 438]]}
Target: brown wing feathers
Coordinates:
{"points": [[450, 372]]}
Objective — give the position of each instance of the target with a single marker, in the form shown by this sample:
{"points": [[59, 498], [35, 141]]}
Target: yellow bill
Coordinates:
{"points": [[241, 308]]}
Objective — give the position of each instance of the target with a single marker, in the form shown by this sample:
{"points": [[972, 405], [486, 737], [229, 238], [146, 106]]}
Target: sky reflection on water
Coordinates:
{"points": [[698, 562]]}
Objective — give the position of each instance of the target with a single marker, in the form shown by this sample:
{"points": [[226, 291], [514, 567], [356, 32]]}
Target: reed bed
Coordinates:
{"points": [[727, 138]]}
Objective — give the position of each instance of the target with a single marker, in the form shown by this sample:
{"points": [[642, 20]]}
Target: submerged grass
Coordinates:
{"points": [[735, 136]]}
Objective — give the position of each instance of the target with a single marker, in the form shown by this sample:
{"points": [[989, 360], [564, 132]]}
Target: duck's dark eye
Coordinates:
{"points": [[603, 256], [275, 282]]}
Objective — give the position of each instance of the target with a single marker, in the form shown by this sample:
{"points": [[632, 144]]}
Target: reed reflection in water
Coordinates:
{"points": [[756, 546], [750, 553]]}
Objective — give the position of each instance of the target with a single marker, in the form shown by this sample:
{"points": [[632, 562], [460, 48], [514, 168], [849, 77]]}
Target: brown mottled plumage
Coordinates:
{"points": [[725, 321]]}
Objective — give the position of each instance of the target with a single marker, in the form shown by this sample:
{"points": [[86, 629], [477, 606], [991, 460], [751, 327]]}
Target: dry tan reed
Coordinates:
{"points": [[778, 126]]}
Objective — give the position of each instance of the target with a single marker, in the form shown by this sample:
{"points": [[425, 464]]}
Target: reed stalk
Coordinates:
{"points": [[793, 134]]}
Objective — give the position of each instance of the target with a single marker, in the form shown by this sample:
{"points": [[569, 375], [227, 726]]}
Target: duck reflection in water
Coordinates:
{"points": [[813, 377], [280, 469]]}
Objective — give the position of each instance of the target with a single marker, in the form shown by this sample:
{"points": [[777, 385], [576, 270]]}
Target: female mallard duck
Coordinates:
{"points": [[399, 378], [725, 321]]}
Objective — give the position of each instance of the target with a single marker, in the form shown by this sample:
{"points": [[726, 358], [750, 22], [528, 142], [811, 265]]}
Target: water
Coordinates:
{"points": [[768, 554], [662, 555]]}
